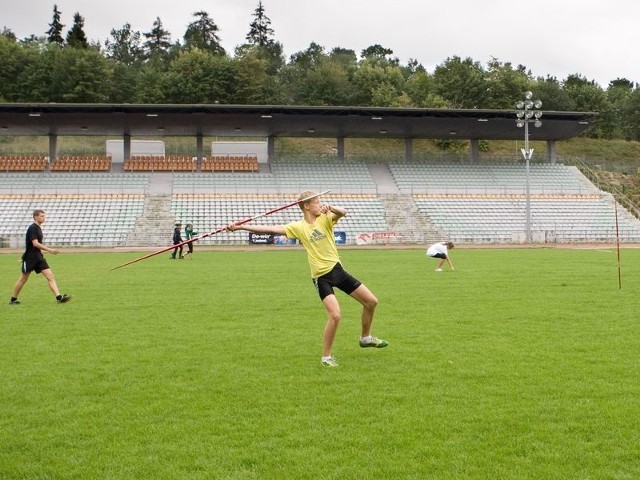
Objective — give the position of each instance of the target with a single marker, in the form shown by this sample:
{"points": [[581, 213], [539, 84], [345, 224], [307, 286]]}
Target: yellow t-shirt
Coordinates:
{"points": [[318, 240]]}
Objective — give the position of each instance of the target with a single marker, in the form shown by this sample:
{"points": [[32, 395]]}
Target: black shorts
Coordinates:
{"points": [[439, 255], [338, 277], [34, 265]]}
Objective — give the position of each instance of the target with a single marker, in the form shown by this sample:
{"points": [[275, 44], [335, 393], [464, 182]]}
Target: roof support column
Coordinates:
{"points": [[475, 150], [199, 148], [271, 148], [53, 147], [126, 147], [340, 146], [551, 152], [408, 149]]}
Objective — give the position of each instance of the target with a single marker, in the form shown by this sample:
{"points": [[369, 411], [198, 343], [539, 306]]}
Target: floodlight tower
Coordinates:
{"points": [[528, 111]]}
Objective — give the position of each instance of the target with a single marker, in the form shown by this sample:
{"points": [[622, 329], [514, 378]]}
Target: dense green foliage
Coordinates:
{"points": [[149, 67], [520, 365]]}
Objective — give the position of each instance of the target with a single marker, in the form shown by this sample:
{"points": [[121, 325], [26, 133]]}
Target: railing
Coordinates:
{"points": [[618, 195]]}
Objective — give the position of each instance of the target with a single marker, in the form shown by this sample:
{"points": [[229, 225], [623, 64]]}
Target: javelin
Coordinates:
{"points": [[221, 229]]}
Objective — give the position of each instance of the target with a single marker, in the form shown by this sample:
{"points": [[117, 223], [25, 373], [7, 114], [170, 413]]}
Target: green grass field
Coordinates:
{"points": [[522, 364]]}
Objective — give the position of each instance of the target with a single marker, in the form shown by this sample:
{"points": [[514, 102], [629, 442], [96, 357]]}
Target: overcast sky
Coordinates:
{"points": [[594, 38]]}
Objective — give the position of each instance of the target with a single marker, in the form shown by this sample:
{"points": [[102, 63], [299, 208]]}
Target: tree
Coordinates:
{"points": [[85, 76], [260, 32], [460, 82], [76, 37], [309, 58], [618, 96], [158, 42], [40, 80], [420, 89], [54, 34], [379, 52], [345, 57], [7, 33], [505, 85], [34, 42], [378, 83], [552, 95], [251, 79], [199, 76], [125, 82], [588, 96], [14, 58], [328, 84], [126, 47], [632, 115], [294, 75], [202, 34], [150, 84]]}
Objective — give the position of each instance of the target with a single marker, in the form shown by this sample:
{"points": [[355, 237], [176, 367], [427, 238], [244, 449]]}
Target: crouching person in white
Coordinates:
{"points": [[441, 251]]}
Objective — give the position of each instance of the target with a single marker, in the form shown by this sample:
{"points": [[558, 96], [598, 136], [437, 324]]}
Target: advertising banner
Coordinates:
{"points": [[373, 238], [283, 240], [260, 238], [340, 237]]}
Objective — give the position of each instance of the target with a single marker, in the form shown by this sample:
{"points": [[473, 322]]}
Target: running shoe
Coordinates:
{"points": [[374, 342], [64, 299], [329, 362]]}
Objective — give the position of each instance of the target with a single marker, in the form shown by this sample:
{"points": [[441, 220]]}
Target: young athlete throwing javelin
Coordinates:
{"points": [[315, 232]]}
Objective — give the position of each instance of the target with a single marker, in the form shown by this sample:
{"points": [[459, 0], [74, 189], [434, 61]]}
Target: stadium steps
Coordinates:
{"points": [[384, 180], [403, 217], [154, 228]]}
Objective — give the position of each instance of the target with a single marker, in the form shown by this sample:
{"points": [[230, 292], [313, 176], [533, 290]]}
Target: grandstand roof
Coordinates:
{"points": [[281, 121]]}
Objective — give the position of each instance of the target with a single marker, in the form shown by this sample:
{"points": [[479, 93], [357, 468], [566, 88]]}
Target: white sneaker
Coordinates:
{"points": [[329, 362], [438, 270]]}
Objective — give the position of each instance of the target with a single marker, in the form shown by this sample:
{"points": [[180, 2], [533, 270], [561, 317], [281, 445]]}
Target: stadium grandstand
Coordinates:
{"points": [[133, 198], [396, 202]]}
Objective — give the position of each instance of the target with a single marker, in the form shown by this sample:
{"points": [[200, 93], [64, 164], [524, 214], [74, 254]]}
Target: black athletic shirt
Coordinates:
{"points": [[34, 232]]}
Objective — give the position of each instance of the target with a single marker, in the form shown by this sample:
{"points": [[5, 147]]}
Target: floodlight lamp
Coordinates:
{"points": [[520, 123], [537, 104], [520, 113], [528, 114], [528, 104], [537, 114], [520, 105], [528, 95], [537, 124]]}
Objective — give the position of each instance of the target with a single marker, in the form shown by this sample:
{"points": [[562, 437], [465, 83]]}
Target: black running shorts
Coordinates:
{"points": [[35, 265], [338, 277]]}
